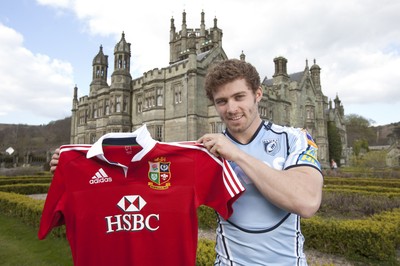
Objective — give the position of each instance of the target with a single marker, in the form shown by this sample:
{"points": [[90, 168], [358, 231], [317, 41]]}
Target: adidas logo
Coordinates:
{"points": [[100, 177]]}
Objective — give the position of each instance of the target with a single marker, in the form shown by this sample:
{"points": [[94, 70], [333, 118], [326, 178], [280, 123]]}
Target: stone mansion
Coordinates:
{"points": [[171, 101]]}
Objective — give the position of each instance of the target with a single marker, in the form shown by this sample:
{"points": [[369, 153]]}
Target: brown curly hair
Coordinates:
{"points": [[228, 71]]}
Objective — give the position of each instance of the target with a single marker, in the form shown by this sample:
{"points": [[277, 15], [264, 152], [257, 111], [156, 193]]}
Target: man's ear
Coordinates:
{"points": [[259, 94]]}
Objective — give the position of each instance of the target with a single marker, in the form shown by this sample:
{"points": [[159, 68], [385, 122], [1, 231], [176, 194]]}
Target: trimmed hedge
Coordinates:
{"points": [[376, 238], [24, 180], [27, 209], [363, 181], [23, 207], [26, 189]]}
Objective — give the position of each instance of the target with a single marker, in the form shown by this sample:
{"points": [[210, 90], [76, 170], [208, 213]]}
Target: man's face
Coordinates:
{"points": [[237, 106]]}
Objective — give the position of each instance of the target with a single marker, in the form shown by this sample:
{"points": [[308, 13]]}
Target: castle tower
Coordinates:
{"points": [[74, 115], [242, 56], [120, 89], [99, 71], [121, 76], [122, 57], [205, 40], [100, 67], [172, 36], [280, 74], [216, 34], [316, 75]]}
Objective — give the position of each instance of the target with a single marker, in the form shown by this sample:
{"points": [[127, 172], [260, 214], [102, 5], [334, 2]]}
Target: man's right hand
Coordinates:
{"points": [[54, 160]]}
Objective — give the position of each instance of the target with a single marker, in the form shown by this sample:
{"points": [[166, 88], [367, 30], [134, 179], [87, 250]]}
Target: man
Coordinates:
{"points": [[277, 165]]}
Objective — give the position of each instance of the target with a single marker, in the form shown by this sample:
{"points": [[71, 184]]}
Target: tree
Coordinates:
{"points": [[335, 142], [360, 145], [359, 128]]}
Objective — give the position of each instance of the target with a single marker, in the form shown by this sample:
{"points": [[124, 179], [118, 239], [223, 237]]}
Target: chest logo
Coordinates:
{"points": [[271, 146], [159, 174]]}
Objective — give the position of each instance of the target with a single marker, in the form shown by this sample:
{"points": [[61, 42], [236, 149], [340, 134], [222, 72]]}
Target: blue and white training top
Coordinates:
{"points": [[258, 232]]}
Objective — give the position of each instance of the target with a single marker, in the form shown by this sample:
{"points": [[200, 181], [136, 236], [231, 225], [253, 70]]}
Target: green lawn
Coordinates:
{"points": [[20, 246]]}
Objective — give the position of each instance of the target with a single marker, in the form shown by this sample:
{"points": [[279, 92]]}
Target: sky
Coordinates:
{"points": [[47, 47]]}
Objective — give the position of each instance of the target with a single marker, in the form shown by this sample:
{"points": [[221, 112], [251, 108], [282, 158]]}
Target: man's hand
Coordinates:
{"points": [[54, 160], [219, 145]]}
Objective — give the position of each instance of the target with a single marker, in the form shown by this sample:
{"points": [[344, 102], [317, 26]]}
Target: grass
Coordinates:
{"points": [[20, 246]]}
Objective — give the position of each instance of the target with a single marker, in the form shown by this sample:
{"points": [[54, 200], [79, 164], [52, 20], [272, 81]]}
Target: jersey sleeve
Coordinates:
{"points": [[52, 215], [302, 150], [217, 184]]}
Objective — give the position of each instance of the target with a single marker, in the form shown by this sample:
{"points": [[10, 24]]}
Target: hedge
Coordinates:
{"points": [[26, 209], [26, 189], [376, 238]]}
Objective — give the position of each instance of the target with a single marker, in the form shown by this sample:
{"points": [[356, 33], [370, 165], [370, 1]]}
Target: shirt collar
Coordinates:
{"points": [[143, 138]]}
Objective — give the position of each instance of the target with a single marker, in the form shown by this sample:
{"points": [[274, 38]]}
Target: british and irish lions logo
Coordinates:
{"points": [[159, 175]]}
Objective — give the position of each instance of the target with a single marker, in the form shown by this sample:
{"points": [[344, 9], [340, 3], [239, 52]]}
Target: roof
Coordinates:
{"points": [[293, 77]]}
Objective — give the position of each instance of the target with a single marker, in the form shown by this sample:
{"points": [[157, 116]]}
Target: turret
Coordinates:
{"points": [[316, 75], [204, 40], [122, 57], [100, 68], [242, 56], [280, 67], [74, 115]]}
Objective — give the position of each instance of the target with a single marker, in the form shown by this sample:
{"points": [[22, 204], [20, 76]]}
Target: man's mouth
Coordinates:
{"points": [[235, 118]]}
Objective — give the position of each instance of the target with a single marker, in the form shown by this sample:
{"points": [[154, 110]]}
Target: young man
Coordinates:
{"points": [[277, 165]]}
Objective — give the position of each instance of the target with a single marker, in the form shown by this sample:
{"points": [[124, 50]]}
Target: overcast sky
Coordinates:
{"points": [[47, 46]]}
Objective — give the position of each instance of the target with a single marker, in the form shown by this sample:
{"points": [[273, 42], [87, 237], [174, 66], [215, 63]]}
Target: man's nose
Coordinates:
{"points": [[232, 106]]}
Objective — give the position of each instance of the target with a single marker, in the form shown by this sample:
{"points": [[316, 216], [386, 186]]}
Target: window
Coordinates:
{"points": [[100, 109], [217, 127], [263, 111], [107, 107], [92, 138], [139, 105], [310, 113], [178, 93], [82, 117], [118, 104], [125, 105], [159, 133], [149, 99], [159, 97], [94, 110]]}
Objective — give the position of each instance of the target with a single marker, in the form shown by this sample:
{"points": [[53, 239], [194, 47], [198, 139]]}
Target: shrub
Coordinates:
{"points": [[205, 253]]}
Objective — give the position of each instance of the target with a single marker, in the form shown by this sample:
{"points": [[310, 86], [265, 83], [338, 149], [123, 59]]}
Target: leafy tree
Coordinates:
{"points": [[360, 145], [335, 142], [358, 128]]}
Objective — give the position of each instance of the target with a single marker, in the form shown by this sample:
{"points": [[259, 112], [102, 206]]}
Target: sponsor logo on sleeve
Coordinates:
{"points": [[310, 157]]}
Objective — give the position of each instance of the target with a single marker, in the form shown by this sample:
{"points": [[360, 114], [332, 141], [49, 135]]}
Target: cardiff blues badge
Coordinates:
{"points": [[271, 146]]}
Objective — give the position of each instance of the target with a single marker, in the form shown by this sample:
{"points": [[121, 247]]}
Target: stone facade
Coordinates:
{"points": [[171, 101], [393, 155]]}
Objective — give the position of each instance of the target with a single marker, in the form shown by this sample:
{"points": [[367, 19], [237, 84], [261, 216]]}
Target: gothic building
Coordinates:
{"points": [[171, 101]]}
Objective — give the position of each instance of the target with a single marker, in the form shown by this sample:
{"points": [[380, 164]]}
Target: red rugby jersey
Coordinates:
{"points": [[130, 200]]}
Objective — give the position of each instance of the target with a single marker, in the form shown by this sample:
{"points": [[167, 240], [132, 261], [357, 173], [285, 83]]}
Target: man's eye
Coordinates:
{"points": [[239, 97]]}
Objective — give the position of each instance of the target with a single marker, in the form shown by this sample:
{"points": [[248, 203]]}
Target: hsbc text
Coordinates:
{"points": [[132, 222]]}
